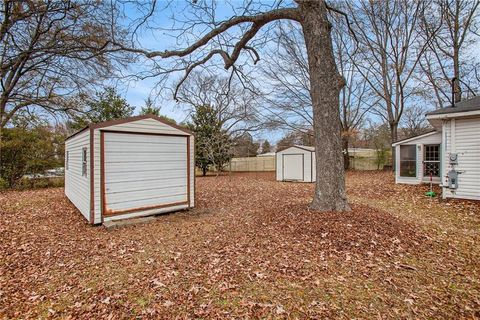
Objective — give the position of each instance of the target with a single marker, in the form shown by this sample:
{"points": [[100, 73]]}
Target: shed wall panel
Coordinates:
{"points": [[97, 184], [77, 186], [192, 171]]}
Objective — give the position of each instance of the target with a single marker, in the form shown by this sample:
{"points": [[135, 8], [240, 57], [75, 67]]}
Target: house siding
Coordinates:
{"points": [[77, 187], [462, 136]]}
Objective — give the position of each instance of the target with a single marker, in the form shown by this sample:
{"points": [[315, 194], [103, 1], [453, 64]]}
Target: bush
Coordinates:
{"points": [[40, 183], [3, 184]]}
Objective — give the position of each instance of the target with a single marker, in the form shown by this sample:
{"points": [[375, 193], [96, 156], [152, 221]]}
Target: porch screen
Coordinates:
{"points": [[408, 161]]}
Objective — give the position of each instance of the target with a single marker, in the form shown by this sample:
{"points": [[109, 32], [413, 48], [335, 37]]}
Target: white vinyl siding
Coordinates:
{"points": [[462, 136], [77, 186], [192, 171]]}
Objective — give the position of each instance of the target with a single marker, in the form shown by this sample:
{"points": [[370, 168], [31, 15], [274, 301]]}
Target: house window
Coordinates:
{"points": [[408, 161], [84, 161], [431, 163], [66, 160]]}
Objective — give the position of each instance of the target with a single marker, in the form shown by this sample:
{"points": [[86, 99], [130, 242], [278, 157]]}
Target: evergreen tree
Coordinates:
{"points": [[266, 147], [149, 108], [107, 105], [245, 146], [212, 143]]}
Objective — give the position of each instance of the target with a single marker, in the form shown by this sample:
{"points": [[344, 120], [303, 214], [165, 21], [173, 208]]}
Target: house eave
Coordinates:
{"points": [[414, 138], [445, 116]]}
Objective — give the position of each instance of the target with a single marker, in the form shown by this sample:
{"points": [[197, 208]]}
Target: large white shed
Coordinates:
{"points": [[129, 168], [296, 163]]}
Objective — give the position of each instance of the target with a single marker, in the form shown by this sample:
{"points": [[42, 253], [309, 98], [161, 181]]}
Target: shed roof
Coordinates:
{"points": [[306, 148], [130, 119], [472, 104]]}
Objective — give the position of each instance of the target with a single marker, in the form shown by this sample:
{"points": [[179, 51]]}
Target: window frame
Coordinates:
{"points": [[400, 171], [84, 161], [438, 157], [67, 159]]}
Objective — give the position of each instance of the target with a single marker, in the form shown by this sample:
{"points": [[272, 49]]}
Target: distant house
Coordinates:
{"points": [[449, 154]]}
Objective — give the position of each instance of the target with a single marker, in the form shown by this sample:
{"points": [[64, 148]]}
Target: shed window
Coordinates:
{"points": [[84, 161], [66, 160], [431, 164], [408, 161]]}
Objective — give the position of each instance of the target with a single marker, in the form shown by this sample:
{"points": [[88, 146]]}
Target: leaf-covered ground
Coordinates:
{"points": [[251, 249]]}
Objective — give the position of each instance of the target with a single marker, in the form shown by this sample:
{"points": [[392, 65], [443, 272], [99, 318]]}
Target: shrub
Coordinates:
{"points": [[3, 184], [40, 183]]}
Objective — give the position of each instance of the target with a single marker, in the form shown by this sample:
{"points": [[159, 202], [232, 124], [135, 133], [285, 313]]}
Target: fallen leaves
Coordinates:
{"points": [[250, 249]]}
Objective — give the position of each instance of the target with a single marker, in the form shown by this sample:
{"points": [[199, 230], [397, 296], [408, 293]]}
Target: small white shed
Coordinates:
{"points": [[129, 168], [296, 163]]}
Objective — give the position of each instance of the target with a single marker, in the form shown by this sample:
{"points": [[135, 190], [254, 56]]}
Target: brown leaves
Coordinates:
{"points": [[250, 249]]}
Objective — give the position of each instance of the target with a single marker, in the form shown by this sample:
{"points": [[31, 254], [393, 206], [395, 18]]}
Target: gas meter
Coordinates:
{"points": [[452, 177]]}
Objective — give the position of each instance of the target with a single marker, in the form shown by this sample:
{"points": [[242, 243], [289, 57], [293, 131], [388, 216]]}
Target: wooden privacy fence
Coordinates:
{"points": [[365, 163], [254, 164]]}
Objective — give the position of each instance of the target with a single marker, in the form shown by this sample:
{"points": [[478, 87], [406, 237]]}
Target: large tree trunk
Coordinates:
{"points": [[325, 83]]}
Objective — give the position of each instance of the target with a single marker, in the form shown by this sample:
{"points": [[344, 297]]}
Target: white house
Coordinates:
{"points": [[450, 153], [296, 163], [130, 167]]}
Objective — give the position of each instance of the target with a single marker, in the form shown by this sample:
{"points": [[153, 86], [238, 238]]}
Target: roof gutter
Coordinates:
{"points": [[453, 115]]}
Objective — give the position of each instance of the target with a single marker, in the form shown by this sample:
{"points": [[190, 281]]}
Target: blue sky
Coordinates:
{"points": [[136, 91]]}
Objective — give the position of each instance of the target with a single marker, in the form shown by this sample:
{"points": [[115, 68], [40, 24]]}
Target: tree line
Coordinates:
{"points": [[325, 71]]}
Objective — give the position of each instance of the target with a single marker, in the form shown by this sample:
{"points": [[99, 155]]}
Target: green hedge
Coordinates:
{"points": [[37, 183]]}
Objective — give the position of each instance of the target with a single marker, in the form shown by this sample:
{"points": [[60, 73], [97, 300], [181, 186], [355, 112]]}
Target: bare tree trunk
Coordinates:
{"points": [[456, 73], [346, 155], [325, 82]]}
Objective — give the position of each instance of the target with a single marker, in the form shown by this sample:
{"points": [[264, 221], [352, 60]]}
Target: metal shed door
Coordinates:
{"points": [[293, 167], [142, 172]]}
